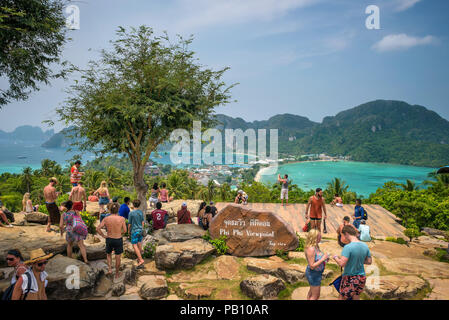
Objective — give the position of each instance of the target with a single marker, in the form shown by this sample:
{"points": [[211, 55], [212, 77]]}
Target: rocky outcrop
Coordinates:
{"points": [[152, 287], [434, 232], [422, 267], [29, 238], [227, 267], [36, 217], [291, 273], [262, 287], [252, 232], [182, 255], [395, 287], [182, 232], [62, 273]]}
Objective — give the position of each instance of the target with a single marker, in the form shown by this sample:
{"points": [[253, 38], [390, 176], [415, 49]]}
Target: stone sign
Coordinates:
{"points": [[252, 233]]}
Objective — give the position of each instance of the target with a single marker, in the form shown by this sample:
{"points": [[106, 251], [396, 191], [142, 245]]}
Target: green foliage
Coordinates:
{"points": [[149, 250], [33, 34], [396, 240], [301, 244], [282, 254], [412, 233], [89, 220], [219, 243]]}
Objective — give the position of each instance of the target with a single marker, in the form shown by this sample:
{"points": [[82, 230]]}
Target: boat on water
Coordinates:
{"points": [[22, 157]]}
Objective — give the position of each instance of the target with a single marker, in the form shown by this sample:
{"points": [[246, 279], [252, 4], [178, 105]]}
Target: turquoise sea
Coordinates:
{"points": [[363, 178]]}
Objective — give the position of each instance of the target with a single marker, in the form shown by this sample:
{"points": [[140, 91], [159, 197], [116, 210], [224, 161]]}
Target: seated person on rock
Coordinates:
{"points": [[342, 241], [338, 201], [183, 215], [159, 217], [364, 231]]}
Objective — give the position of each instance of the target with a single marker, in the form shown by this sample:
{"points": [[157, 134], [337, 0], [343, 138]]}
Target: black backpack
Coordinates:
{"points": [[7, 295], [364, 214]]}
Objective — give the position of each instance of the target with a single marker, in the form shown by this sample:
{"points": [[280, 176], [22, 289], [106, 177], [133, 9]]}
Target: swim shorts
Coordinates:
{"points": [[352, 286], [115, 245], [136, 237], [53, 212]]}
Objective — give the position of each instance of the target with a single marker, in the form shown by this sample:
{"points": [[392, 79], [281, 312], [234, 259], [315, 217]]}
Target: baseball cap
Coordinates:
{"points": [[184, 204]]}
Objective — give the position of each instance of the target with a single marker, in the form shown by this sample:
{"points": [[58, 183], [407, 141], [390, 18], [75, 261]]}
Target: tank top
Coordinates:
{"points": [[320, 267], [316, 208], [28, 207], [164, 195], [153, 194], [285, 185]]}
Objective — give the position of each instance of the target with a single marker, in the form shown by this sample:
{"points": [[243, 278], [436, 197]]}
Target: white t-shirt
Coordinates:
{"points": [[364, 233]]}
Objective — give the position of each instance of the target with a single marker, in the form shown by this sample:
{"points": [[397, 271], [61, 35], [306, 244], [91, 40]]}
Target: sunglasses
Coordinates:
{"points": [[40, 264], [10, 259]]}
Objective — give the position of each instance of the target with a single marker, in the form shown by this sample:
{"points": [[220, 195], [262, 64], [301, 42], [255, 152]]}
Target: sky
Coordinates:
{"points": [[312, 58]]}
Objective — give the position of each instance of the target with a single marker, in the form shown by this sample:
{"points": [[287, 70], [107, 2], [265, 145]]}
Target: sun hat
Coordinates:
{"points": [[38, 255], [240, 191], [54, 179]]}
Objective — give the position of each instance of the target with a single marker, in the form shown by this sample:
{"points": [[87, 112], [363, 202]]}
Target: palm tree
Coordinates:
{"points": [[211, 190], [175, 183], [442, 181], [409, 186], [112, 176], [27, 175], [225, 191], [337, 186], [92, 179], [193, 188]]}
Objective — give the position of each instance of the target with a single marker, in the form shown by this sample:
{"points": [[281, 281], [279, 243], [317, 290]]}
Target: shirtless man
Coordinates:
{"points": [[317, 206], [78, 197], [50, 196], [115, 228]]}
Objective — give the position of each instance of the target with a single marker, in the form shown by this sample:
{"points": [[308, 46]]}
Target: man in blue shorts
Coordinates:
{"points": [[135, 228]]}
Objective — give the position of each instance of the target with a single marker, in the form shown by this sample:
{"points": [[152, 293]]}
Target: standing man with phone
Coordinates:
{"points": [[50, 196], [317, 207], [284, 189]]}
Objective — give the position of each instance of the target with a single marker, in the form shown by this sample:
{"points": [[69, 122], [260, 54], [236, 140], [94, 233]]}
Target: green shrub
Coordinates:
{"points": [[220, 245], [149, 250], [412, 233], [89, 221], [282, 254], [301, 243], [396, 240], [207, 236]]}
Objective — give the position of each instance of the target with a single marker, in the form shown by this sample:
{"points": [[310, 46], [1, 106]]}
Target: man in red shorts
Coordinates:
{"points": [[78, 197], [353, 258]]}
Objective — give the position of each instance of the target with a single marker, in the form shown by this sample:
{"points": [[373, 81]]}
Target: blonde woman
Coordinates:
{"points": [[103, 195], [316, 263], [27, 205]]}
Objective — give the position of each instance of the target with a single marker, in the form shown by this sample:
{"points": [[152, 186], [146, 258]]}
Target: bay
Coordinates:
{"points": [[362, 177]]}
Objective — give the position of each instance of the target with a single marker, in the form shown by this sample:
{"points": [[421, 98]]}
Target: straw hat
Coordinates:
{"points": [[38, 255]]}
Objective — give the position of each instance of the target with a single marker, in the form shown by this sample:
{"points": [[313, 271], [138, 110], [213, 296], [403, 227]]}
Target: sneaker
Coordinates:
{"points": [[9, 226]]}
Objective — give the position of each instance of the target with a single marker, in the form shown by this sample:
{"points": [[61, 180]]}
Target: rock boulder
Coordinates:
{"points": [[182, 232], [262, 287], [395, 287], [251, 232], [152, 287], [61, 271], [182, 255]]}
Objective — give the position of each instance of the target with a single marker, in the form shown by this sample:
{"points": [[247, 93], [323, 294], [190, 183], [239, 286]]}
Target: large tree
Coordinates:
{"points": [[32, 36], [137, 93]]}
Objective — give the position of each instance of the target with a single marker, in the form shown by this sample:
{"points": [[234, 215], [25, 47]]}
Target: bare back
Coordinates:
{"points": [[115, 226], [78, 194], [50, 193]]}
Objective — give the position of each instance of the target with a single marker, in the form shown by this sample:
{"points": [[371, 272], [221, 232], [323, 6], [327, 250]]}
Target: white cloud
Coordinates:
{"points": [[203, 13], [402, 5], [394, 42]]}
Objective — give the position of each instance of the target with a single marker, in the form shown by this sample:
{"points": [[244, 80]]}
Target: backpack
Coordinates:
{"points": [[7, 295], [79, 226], [364, 214]]}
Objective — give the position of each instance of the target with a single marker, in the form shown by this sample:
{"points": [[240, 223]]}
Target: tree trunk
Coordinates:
{"points": [[141, 186]]}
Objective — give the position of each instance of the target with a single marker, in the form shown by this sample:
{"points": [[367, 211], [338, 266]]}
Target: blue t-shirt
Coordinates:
{"points": [[135, 219], [356, 252], [364, 233], [123, 211], [358, 211]]}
